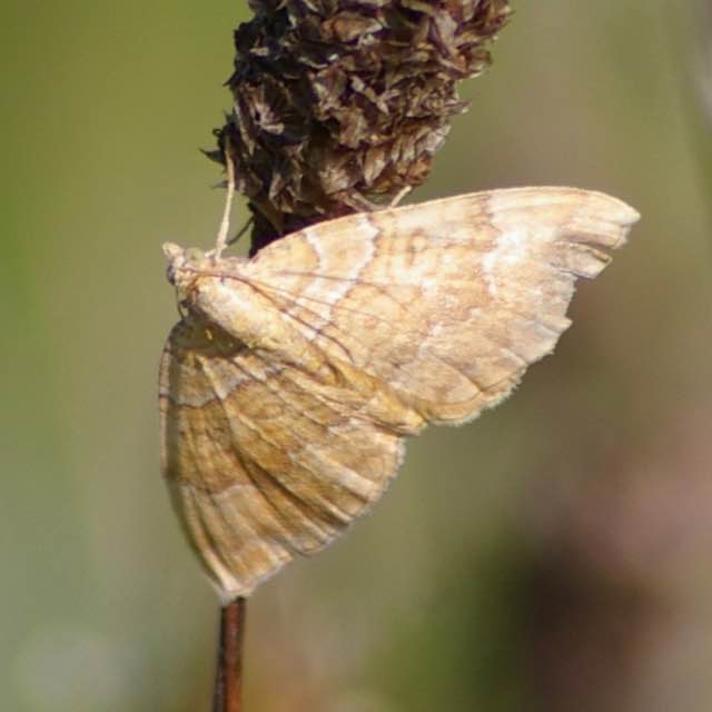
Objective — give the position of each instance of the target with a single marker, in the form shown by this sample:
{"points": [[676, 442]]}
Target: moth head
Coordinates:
{"points": [[184, 266]]}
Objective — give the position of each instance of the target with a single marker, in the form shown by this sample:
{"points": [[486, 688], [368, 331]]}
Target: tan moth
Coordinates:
{"points": [[291, 382]]}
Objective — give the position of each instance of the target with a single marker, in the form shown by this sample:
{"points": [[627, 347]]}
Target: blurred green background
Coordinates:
{"points": [[555, 555]]}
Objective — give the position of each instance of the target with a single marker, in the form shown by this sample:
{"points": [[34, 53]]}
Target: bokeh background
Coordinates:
{"points": [[555, 555]]}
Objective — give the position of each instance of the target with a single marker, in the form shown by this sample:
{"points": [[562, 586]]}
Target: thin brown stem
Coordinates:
{"points": [[227, 696]]}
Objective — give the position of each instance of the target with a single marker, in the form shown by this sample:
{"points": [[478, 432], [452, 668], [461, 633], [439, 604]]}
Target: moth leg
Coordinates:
{"points": [[222, 242], [396, 199]]}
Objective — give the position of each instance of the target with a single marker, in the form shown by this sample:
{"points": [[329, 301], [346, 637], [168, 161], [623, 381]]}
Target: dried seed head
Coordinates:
{"points": [[342, 103]]}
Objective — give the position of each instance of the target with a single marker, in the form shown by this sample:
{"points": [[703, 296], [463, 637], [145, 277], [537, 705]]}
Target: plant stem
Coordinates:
{"points": [[227, 696]]}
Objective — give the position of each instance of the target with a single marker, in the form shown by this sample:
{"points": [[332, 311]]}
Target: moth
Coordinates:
{"points": [[289, 386]]}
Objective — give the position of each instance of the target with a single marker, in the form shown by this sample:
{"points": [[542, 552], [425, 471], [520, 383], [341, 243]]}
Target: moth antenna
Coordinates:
{"points": [[248, 223], [222, 242]]}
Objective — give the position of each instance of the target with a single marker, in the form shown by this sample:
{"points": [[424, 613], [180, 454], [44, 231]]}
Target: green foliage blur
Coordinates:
{"points": [[554, 555]]}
